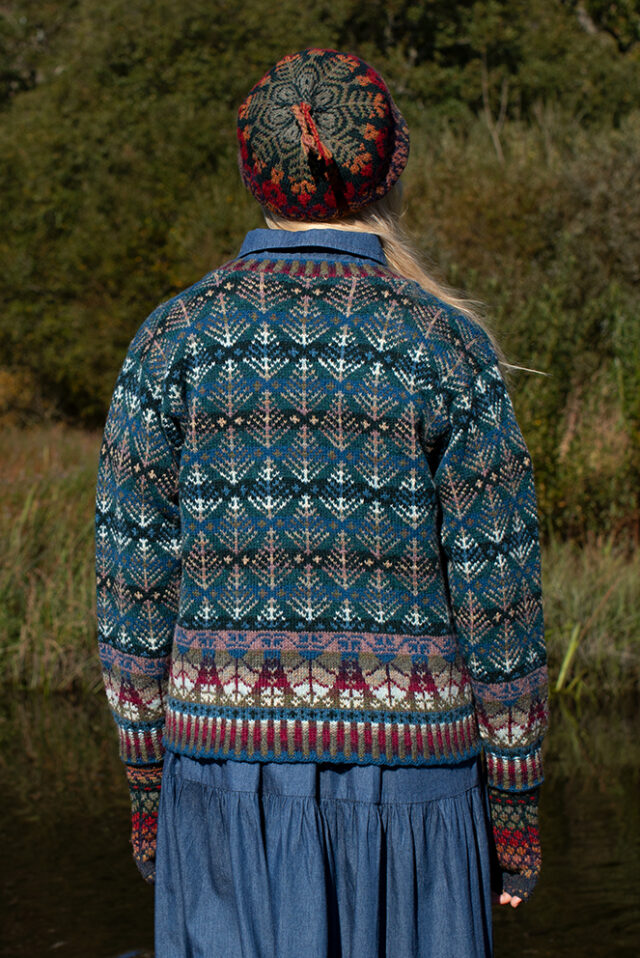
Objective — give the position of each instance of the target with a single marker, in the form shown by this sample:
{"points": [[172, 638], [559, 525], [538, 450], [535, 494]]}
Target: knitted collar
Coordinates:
{"points": [[313, 241]]}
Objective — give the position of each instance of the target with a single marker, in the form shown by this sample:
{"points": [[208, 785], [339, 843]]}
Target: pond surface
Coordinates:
{"points": [[69, 886]]}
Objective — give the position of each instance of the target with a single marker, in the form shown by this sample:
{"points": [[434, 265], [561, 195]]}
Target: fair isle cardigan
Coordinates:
{"points": [[316, 530]]}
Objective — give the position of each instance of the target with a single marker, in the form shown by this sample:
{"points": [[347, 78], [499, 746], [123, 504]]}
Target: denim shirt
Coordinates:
{"points": [[345, 245]]}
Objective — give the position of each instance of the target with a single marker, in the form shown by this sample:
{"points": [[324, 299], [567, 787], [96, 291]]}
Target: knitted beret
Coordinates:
{"points": [[319, 136]]}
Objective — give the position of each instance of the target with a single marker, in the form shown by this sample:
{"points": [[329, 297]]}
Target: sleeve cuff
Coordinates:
{"points": [[511, 772], [141, 746]]}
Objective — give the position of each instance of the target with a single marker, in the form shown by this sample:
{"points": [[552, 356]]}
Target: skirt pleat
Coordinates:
{"points": [[281, 860]]}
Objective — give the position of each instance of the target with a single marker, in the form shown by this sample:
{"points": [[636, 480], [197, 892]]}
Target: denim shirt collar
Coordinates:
{"points": [[314, 242]]}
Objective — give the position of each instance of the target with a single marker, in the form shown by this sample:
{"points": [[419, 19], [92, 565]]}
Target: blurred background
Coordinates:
{"points": [[119, 187]]}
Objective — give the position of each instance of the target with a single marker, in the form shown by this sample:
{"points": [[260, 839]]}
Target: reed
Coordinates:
{"points": [[47, 605], [47, 618], [592, 612]]}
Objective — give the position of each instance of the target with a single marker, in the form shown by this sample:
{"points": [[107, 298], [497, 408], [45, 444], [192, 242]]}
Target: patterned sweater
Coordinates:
{"points": [[316, 532]]}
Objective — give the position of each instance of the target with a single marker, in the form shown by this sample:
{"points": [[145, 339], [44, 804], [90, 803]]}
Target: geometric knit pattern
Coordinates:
{"points": [[319, 134], [316, 531], [514, 818], [144, 790]]}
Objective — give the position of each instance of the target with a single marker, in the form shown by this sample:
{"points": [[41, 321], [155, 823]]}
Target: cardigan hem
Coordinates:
{"points": [[273, 739]]}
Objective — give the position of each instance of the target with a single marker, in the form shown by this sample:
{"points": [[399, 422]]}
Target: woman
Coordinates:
{"points": [[318, 570]]}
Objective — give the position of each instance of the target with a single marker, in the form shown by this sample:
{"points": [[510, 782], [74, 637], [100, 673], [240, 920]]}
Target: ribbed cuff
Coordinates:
{"points": [[511, 772]]}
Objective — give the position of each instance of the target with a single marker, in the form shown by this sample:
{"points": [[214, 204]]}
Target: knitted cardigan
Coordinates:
{"points": [[316, 534]]}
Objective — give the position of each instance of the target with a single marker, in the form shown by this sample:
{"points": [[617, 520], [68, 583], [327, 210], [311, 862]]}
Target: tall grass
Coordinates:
{"points": [[592, 611], [47, 620], [47, 613]]}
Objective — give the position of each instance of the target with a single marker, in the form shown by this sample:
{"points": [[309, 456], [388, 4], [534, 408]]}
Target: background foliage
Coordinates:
{"points": [[119, 187]]}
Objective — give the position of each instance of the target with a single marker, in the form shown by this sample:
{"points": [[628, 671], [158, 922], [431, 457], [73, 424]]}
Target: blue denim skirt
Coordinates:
{"points": [[282, 860]]}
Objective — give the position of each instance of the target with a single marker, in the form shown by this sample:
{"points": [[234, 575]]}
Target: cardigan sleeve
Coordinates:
{"points": [[138, 545], [490, 542]]}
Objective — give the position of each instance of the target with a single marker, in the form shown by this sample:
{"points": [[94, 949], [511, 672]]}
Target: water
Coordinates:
{"points": [[69, 886]]}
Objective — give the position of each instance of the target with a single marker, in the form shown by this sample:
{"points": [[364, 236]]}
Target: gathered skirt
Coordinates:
{"points": [[283, 860]]}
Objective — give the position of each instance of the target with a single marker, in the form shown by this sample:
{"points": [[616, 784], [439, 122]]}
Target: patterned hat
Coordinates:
{"points": [[319, 136]]}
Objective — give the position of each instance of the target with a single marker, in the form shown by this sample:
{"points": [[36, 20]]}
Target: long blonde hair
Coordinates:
{"points": [[383, 219]]}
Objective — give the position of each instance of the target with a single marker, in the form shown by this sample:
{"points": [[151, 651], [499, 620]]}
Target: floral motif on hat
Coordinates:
{"points": [[319, 136]]}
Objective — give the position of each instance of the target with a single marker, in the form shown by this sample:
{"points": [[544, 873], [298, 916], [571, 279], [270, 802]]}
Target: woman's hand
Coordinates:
{"points": [[506, 899]]}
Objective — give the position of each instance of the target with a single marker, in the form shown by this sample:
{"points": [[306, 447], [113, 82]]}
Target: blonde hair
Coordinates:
{"points": [[383, 218]]}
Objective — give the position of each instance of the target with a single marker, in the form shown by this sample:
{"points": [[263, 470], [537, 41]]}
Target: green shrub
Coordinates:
{"points": [[119, 187]]}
